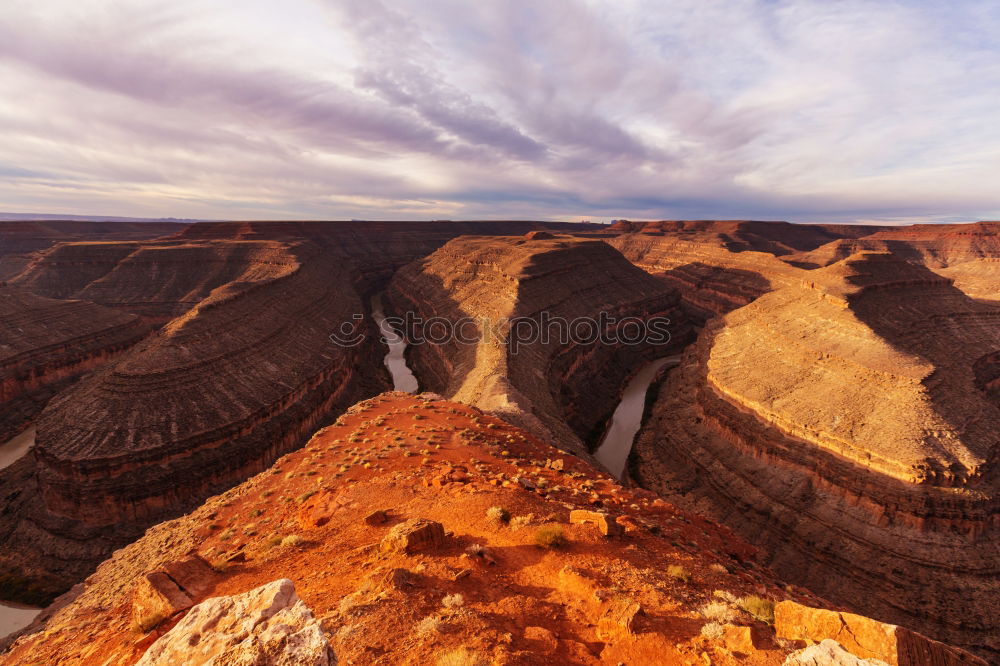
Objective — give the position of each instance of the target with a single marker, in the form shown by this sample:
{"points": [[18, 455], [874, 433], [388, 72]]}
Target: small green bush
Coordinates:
{"points": [[550, 536], [761, 608]]}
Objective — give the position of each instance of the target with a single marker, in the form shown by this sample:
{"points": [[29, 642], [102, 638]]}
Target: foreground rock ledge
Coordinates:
{"points": [[268, 625]]}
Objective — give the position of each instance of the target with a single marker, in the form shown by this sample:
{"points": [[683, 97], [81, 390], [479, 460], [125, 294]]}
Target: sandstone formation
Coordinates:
{"points": [[45, 344], [213, 397], [510, 301], [268, 625], [828, 652], [848, 425], [864, 637], [20, 239]]}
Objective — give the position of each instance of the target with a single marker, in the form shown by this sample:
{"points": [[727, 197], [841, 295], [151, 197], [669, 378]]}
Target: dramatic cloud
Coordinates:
{"points": [[798, 109]]}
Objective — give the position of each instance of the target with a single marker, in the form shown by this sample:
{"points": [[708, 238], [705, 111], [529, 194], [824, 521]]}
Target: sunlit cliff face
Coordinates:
{"points": [[449, 109]]}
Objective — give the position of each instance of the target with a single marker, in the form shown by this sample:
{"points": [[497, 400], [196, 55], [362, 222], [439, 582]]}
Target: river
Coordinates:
{"points": [[15, 617], [403, 378], [627, 419]]}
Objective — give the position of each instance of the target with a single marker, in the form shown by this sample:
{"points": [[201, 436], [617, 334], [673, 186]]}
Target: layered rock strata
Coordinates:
{"points": [[158, 280], [934, 245], [848, 426], [45, 344], [213, 397], [524, 370], [21, 239], [711, 277]]}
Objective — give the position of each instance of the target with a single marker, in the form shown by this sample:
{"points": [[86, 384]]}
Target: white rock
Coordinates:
{"points": [[828, 653], [268, 626]]}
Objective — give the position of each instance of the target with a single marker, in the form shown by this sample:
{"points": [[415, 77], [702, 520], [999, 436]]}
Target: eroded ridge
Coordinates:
{"points": [[565, 390]]}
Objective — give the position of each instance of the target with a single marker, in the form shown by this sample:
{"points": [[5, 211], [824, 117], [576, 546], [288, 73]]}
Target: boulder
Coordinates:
{"points": [[828, 653], [414, 535], [604, 522], [269, 625], [619, 620], [174, 587], [865, 637]]}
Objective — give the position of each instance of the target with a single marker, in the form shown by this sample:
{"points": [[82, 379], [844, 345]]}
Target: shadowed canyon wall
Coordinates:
{"points": [[214, 396], [566, 391], [45, 344]]}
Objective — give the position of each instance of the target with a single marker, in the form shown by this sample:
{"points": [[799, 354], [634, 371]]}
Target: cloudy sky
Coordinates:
{"points": [[402, 109]]}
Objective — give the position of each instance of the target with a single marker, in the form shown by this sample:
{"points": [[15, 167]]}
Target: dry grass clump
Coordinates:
{"points": [[498, 514], [550, 536], [726, 596], [712, 630], [679, 572], [292, 540], [429, 624], [453, 601], [719, 611], [518, 522], [761, 608], [462, 657]]}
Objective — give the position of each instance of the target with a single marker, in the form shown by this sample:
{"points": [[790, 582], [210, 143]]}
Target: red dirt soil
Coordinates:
{"points": [[417, 457]]}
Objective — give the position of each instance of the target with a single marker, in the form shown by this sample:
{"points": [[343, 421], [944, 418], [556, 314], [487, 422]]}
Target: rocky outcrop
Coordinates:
{"points": [[865, 638], [269, 625], [45, 344], [523, 323], [828, 653], [847, 426], [212, 398]]}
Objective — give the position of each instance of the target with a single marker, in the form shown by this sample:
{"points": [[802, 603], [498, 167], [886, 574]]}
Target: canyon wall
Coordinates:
{"points": [[566, 390], [711, 277], [22, 238], [45, 344], [848, 426], [214, 396], [934, 245], [158, 280]]}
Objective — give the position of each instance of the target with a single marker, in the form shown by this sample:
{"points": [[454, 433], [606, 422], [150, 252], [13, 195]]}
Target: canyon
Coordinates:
{"points": [[809, 416]]}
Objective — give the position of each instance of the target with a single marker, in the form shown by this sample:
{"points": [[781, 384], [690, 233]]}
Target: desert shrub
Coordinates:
{"points": [[712, 630], [428, 624], [150, 621], [679, 572], [717, 610], [761, 608], [292, 540], [718, 568], [521, 521], [498, 514], [725, 595], [462, 657], [550, 536], [453, 601], [273, 541]]}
